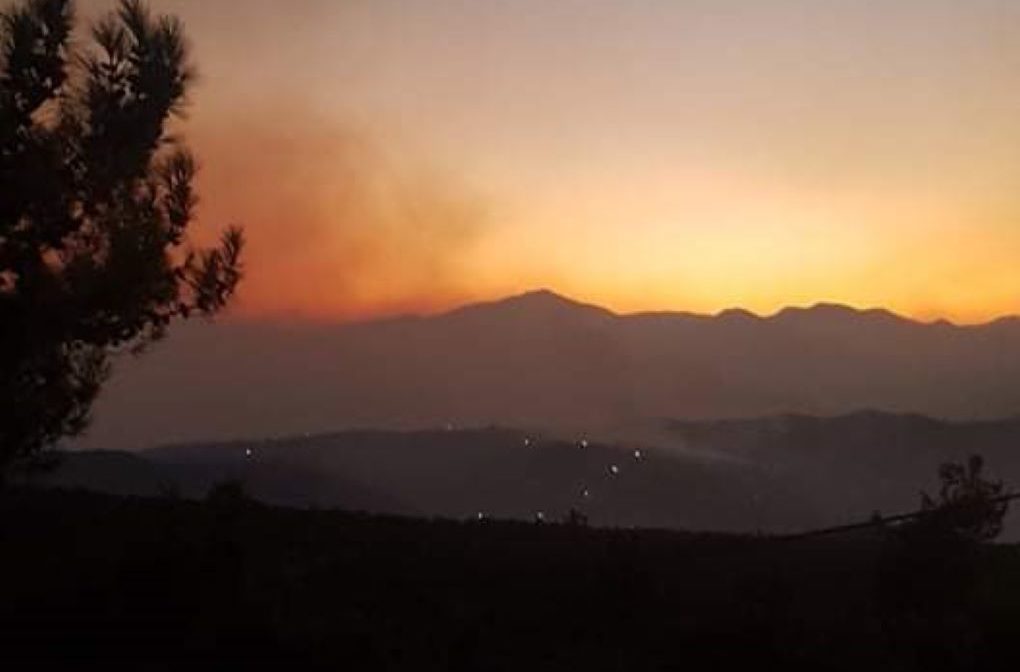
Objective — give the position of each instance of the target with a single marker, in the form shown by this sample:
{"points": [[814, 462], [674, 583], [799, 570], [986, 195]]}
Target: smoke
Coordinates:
{"points": [[342, 221]]}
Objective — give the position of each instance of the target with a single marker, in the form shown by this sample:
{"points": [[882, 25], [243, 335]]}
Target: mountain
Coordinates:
{"points": [[109, 471], [542, 361], [498, 473], [842, 467], [778, 474]]}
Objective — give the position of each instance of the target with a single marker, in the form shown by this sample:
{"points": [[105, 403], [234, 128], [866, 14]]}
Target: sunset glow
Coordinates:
{"points": [[388, 157]]}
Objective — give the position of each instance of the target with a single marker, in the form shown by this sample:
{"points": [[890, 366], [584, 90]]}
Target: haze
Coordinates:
{"points": [[401, 156]]}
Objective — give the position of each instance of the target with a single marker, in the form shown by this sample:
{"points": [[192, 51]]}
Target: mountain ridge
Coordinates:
{"points": [[540, 360], [548, 297], [783, 473]]}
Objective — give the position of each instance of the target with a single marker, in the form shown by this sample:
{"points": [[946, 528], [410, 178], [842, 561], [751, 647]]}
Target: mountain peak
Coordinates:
{"points": [[828, 310], [541, 295], [734, 314], [541, 302], [820, 308]]}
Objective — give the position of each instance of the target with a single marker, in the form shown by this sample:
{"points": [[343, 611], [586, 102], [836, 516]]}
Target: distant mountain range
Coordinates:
{"points": [[782, 473], [543, 362]]}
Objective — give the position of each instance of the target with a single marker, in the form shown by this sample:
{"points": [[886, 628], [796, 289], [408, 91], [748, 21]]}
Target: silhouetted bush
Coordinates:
{"points": [[968, 506], [932, 565]]}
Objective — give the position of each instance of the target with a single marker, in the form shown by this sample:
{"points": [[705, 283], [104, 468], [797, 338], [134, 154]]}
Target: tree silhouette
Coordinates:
{"points": [[95, 203], [930, 571], [967, 506]]}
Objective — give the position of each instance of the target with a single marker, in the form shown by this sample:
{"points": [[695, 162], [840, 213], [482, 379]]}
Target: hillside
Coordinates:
{"points": [[461, 474], [777, 474]]}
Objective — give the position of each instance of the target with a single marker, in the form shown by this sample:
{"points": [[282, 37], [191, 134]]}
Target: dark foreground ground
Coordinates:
{"points": [[167, 584]]}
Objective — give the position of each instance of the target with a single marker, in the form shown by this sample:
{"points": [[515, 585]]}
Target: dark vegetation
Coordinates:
{"points": [[163, 582]]}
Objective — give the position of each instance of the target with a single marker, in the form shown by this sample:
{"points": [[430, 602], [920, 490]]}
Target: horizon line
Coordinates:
{"points": [[468, 304]]}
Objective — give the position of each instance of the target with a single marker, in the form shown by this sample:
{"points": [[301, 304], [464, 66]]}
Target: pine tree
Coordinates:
{"points": [[96, 200]]}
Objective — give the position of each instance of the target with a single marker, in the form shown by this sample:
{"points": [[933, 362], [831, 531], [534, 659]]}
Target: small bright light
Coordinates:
{"points": [[248, 452], [527, 442], [586, 493], [637, 454], [481, 516], [584, 443], [614, 470], [540, 516]]}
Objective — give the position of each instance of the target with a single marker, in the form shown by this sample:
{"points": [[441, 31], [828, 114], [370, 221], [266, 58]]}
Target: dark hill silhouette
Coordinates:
{"points": [[191, 475], [845, 464], [784, 473], [460, 474], [542, 361], [109, 471]]}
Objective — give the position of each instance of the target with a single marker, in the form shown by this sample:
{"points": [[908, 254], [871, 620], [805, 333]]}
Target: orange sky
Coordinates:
{"points": [[389, 156]]}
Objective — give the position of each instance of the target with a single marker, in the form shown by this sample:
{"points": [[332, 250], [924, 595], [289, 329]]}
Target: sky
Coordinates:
{"points": [[408, 156]]}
